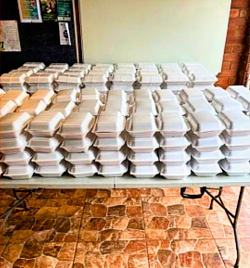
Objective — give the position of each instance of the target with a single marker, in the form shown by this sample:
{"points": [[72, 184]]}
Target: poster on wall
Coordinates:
{"points": [[9, 33], [64, 10], [64, 34], [29, 10], [49, 10]]}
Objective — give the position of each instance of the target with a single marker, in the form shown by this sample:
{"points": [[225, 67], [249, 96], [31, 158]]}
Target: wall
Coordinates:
{"points": [[155, 30], [39, 41], [235, 67]]}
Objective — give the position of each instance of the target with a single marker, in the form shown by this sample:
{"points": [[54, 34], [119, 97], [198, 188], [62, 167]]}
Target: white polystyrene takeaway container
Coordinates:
{"points": [[111, 144], [33, 107], [44, 144], [236, 122], [151, 81], [164, 95], [52, 171], [90, 94], [205, 124], [68, 95], [212, 93], [20, 172], [144, 171], [13, 123], [18, 96], [236, 142], [173, 143], [19, 159], [235, 169], [226, 104], [49, 159], [236, 91], [190, 94], [111, 171], [142, 107], [206, 156], [92, 106], [175, 81], [6, 107], [83, 170], [198, 105], [170, 106], [65, 107], [117, 105], [46, 124], [142, 159], [177, 158], [174, 172], [236, 155], [143, 144], [43, 94], [111, 158], [82, 158], [205, 170], [96, 81]]}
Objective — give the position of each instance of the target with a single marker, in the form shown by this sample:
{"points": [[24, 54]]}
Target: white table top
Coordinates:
{"points": [[68, 182]]}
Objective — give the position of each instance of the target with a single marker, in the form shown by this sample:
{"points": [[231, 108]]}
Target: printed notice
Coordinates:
{"points": [[64, 34], [64, 10], [10, 40], [29, 10]]}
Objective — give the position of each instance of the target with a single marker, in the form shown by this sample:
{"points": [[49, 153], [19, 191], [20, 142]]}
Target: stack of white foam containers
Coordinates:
{"points": [[200, 77], [14, 141], [78, 141], [70, 80], [98, 77], [173, 143], [142, 142], [148, 76], [204, 135], [124, 77], [45, 143], [40, 80], [112, 154], [237, 143], [14, 80], [174, 79]]}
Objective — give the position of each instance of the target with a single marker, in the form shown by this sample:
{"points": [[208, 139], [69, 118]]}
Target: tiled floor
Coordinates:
{"points": [[132, 228]]}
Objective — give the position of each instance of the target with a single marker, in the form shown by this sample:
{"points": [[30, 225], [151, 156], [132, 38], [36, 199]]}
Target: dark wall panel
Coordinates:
{"points": [[39, 41]]}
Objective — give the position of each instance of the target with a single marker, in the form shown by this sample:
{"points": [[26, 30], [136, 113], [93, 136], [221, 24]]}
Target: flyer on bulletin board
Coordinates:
{"points": [[49, 10], [29, 10], [10, 40], [64, 10]]}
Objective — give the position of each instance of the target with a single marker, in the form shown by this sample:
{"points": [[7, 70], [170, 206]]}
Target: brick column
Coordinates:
{"points": [[236, 54]]}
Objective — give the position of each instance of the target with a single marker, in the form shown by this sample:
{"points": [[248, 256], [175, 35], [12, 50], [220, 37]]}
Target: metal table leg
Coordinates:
{"points": [[233, 218]]}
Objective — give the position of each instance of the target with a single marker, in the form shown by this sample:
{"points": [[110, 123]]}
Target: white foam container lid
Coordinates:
{"points": [[173, 125], [174, 172], [44, 144], [143, 94], [77, 125], [205, 124], [80, 145], [111, 144], [226, 104], [205, 170], [144, 171], [176, 158], [117, 105], [164, 95], [236, 122], [65, 107], [236, 91], [204, 157], [59, 65], [190, 93], [14, 123], [82, 158], [235, 169], [142, 159], [143, 107], [49, 159], [46, 123], [170, 106], [123, 77], [236, 155], [174, 143], [20, 172], [111, 158], [14, 145], [68, 95], [236, 142], [92, 106], [109, 124], [142, 126], [205, 143], [40, 78], [244, 99], [215, 93], [18, 96], [142, 145], [120, 94], [90, 94], [19, 159], [198, 105], [6, 107], [52, 171], [95, 78], [110, 171], [44, 94], [83, 170], [33, 107]]}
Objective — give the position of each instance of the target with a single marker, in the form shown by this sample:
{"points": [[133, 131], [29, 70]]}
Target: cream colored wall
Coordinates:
{"points": [[154, 31]]}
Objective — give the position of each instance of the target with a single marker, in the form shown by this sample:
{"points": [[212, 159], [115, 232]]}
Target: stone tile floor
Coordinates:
{"points": [[127, 228]]}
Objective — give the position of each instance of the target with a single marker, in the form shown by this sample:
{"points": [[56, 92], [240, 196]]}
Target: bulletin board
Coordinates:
{"points": [[39, 41]]}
